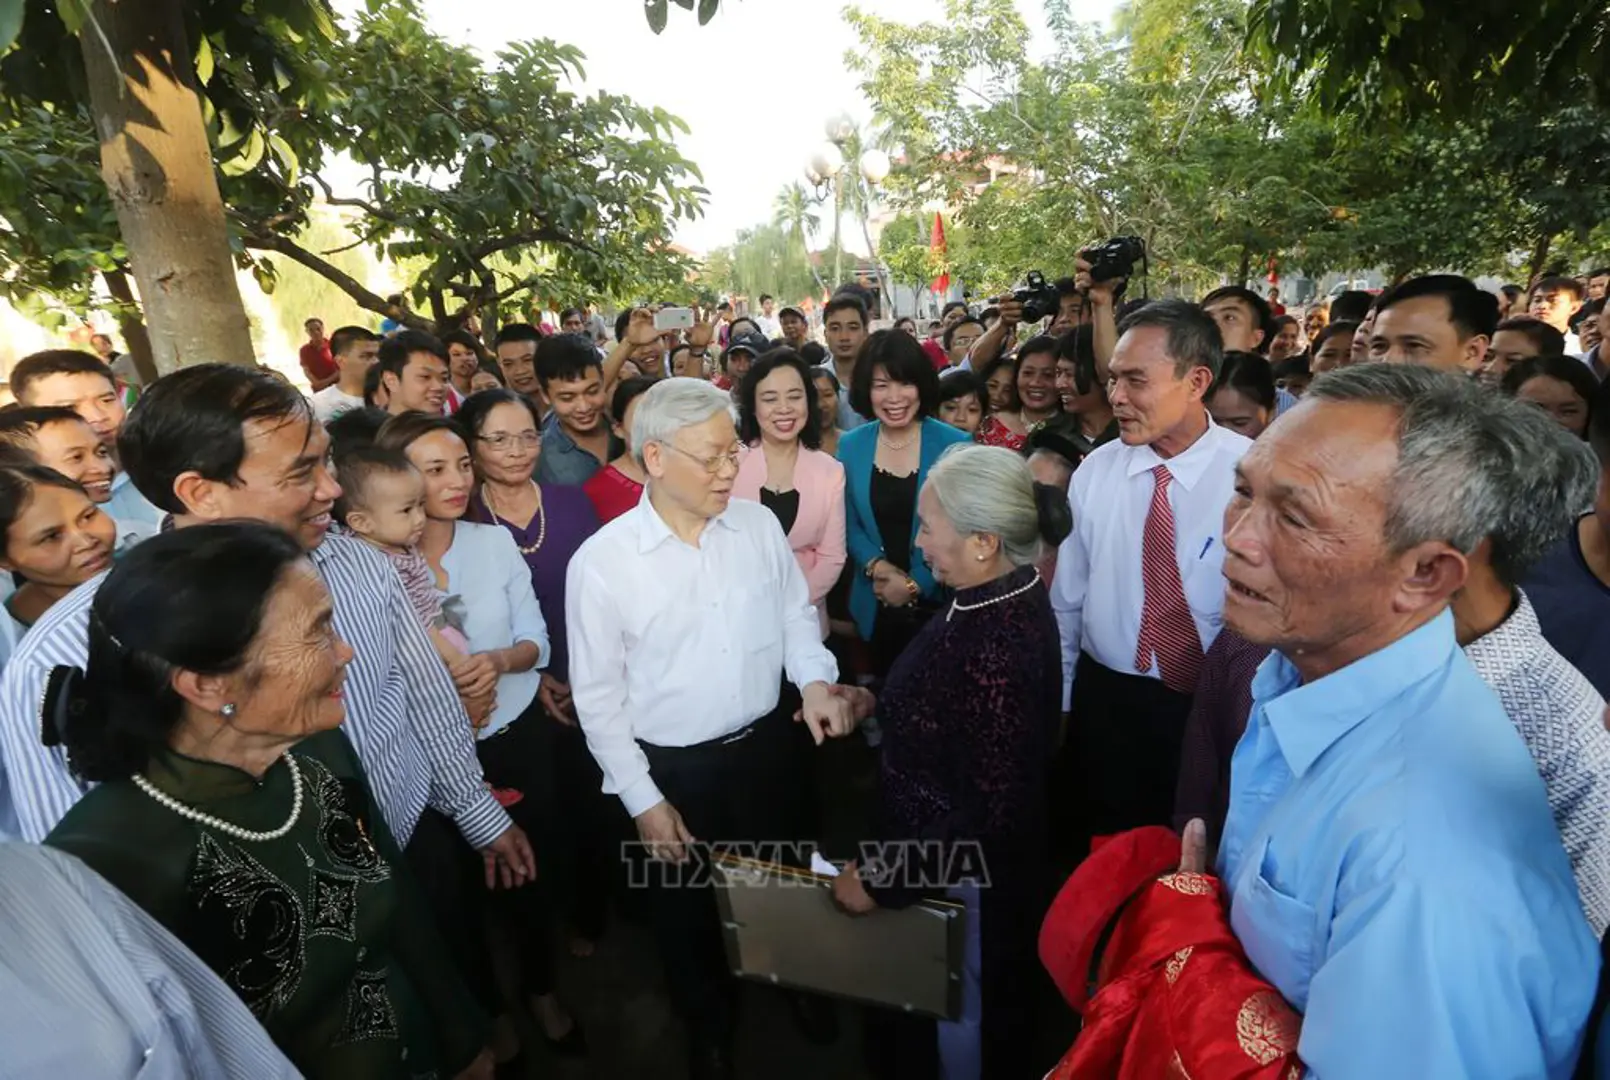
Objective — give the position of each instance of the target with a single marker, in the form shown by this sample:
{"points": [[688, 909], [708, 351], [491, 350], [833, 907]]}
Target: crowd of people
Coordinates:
{"points": [[1261, 656]]}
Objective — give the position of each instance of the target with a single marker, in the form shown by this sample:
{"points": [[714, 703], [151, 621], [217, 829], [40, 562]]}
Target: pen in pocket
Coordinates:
{"points": [[1205, 545]]}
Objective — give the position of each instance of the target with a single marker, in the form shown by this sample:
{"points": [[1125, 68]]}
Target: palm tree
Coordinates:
{"points": [[794, 211]]}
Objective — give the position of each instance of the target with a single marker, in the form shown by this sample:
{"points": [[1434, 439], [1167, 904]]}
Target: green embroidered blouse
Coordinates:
{"points": [[321, 932]]}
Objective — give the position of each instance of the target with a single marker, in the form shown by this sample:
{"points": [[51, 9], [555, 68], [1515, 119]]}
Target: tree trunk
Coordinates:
{"points": [[158, 167], [1540, 254], [131, 325], [1245, 269]]}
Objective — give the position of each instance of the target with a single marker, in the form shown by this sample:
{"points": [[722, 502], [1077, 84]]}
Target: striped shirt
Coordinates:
{"points": [[91, 986], [404, 716]]}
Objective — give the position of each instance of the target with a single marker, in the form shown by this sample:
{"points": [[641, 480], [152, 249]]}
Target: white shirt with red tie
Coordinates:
{"points": [[1098, 592]]}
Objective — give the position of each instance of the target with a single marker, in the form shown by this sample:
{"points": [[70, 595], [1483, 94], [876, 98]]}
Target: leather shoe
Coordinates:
{"points": [[815, 1016], [711, 1061]]}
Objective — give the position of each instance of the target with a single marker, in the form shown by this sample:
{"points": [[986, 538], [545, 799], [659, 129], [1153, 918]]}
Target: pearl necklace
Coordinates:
{"points": [[1019, 591], [221, 825], [542, 518]]}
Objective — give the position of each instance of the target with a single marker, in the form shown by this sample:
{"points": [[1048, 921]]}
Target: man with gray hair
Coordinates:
{"points": [[686, 614], [1543, 476], [1391, 861]]}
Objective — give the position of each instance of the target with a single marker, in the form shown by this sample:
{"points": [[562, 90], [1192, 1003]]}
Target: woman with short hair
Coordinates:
{"points": [[783, 468], [970, 713], [885, 463], [229, 807]]}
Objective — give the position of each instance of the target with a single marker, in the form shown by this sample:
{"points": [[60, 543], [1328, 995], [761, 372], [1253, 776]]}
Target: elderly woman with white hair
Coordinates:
{"points": [[970, 712]]}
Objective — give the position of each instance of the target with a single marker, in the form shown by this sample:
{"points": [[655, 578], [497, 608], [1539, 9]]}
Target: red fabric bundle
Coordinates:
{"points": [[1172, 994]]}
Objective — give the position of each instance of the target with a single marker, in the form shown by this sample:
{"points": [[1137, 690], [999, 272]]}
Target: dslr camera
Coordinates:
{"points": [[1116, 258], [1038, 298]]}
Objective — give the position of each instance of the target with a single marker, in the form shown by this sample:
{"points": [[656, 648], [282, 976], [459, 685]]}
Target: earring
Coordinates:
{"points": [[228, 711], [981, 558]]}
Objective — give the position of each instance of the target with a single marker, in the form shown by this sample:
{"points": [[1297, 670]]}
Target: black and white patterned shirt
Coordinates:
{"points": [[404, 716], [1561, 719]]}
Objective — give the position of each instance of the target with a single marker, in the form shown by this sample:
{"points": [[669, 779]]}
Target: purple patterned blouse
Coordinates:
{"points": [[571, 519]]}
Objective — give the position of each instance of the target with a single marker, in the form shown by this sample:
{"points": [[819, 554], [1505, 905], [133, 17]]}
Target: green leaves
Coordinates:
{"points": [[657, 11], [11, 12], [1405, 59]]}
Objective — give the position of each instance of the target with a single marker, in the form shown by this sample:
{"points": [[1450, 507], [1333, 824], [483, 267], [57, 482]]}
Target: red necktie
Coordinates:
{"points": [[1166, 626]]}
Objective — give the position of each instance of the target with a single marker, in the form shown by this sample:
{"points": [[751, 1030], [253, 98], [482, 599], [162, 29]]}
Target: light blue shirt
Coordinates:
{"points": [[848, 418], [137, 519], [91, 986], [496, 607], [1395, 872]]}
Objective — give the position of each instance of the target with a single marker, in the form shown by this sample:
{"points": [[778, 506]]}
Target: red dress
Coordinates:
{"points": [[1173, 993], [612, 492], [995, 433]]}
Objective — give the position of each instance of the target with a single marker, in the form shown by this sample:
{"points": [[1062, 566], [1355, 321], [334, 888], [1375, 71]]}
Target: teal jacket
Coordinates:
{"points": [[856, 451]]}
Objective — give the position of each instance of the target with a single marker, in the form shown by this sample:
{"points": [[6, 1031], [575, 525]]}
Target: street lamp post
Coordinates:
{"points": [[827, 166]]}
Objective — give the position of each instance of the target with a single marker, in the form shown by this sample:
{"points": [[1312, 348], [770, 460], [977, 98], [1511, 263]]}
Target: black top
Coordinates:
{"points": [[785, 504], [894, 506]]}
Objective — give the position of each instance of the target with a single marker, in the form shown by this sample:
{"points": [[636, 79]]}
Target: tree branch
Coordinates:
{"points": [[337, 277]]}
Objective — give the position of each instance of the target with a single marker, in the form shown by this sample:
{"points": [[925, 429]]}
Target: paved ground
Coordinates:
{"points": [[618, 995]]}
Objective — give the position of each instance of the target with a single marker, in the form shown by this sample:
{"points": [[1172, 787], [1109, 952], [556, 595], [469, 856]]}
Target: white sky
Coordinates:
{"points": [[755, 86]]}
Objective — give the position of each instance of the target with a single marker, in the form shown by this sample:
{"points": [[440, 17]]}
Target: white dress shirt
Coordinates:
{"points": [[1098, 590], [487, 575], [676, 645]]}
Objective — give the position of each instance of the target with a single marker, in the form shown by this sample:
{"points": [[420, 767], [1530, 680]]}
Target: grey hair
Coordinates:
{"points": [[1471, 464], [671, 405], [1193, 336], [988, 490], [1551, 475]]}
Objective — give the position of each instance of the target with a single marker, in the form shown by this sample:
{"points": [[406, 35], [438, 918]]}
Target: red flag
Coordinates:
{"points": [[936, 244]]}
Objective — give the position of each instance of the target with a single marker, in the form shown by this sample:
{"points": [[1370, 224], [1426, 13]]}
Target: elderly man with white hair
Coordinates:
{"points": [[690, 621]]}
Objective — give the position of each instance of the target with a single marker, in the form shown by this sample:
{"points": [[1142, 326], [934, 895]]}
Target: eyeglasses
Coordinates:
{"points": [[712, 465], [502, 441]]}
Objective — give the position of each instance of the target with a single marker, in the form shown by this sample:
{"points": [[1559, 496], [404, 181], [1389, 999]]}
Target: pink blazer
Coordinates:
{"points": [[818, 533]]}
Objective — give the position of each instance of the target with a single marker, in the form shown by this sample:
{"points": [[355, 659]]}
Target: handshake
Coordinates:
{"points": [[833, 710]]}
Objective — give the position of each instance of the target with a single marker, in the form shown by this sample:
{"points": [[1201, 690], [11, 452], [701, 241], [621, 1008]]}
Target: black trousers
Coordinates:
{"points": [[746, 789], [520, 757], [449, 873], [595, 824], [1120, 763], [453, 875]]}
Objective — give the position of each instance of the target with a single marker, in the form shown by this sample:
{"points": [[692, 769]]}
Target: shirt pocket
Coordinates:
{"points": [[756, 621], [1203, 581], [1277, 930]]}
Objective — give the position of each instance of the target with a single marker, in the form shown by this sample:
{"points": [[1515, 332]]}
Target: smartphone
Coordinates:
{"points": [[673, 318]]}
